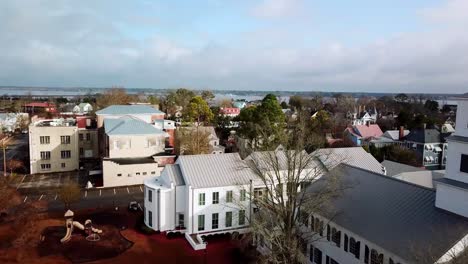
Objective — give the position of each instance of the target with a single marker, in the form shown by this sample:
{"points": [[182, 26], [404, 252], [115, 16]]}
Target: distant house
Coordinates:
{"points": [[215, 147], [363, 117], [430, 146], [358, 133], [145, 113], [83, 108], [239, 104], [40, 107], [390, 137], [9, 122], [229, 111]]}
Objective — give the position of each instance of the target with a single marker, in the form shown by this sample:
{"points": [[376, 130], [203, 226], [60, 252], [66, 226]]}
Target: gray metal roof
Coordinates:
{"points": [[129, 126], [395, 134], [269, 159], [173, 170], [394, 168], [424, 136], [458, 138], [398, 216], [214, 170], [355, 156], [128, 110]]}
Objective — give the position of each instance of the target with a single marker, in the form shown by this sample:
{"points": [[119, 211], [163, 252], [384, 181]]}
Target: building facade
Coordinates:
{"points": [[53, 146]]}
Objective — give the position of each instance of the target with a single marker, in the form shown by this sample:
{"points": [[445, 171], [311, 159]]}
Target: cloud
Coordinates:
{"points": [[277, 8], [69, 44], [454, 12]]}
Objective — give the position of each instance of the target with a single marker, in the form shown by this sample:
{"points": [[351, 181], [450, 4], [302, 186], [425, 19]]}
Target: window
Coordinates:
{"points": [[150, 218], [201, 199], [150, 196], [65, 154], [144, 173], [228, 219], [65, 139], [153, 172], [242, 195], [119, 174], [214, 221], [137, 173], [346, 243], [229, 197], [181, 220], [464, 163], [45, 155], [376, 258], [80, 137], [201, 222], [328, 232], [354, 247], [216, 198], [304, 218], [315, 255], [88, 136], [81, 151], [45, 166], [62, 165], [366, 255], [331, 261], [336, 237], [44, 139], [241, 217]]}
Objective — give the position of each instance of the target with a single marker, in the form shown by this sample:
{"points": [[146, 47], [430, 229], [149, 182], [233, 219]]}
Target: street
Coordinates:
{"points": [[90, 199], [16, 148]]}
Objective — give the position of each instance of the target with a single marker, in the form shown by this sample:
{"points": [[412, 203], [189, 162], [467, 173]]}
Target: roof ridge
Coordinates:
{"points": [[388, 177]]}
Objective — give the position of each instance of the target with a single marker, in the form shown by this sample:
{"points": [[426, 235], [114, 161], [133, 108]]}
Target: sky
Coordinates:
{"points": [[417, 46]]}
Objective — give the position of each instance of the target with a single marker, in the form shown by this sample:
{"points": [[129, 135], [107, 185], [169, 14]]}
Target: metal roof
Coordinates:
{"points": [[128, 110], [214, 170], [355, 156], [395, 134], [129, 126], [398, 216], [424, 136], [173, 170], [393, 168]]}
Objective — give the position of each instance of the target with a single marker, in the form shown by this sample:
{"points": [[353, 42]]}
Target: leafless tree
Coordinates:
{"points": [[192, 141], [281, 203], [69, 193]]}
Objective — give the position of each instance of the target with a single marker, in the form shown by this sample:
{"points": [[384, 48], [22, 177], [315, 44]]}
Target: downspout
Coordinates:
{"points": [[158, 209], [250, 201], [175, 203], [190, 190]]}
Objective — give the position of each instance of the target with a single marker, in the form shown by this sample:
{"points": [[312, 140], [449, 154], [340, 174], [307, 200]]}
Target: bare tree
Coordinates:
{"points": [[13, 165], [281, 203], [69, 193], [114, 96], [192, 140]]}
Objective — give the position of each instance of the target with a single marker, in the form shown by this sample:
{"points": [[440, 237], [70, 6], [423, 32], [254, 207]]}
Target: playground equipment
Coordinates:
{"points": [[90, 231]]}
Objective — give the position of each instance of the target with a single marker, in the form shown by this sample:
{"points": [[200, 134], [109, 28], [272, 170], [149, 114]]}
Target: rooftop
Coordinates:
{"points": [[130, 161], [398, 216], [355, 156], [394, 168], [56, 123], [424, 136], [365, 131], [214, 170], [128, 110], [129, 126]]}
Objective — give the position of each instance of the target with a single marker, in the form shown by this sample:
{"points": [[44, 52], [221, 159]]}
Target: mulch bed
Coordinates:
{"points": [[78, 249]]}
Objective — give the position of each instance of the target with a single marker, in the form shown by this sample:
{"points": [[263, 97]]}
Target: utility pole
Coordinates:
{"points": [[4, 157]]}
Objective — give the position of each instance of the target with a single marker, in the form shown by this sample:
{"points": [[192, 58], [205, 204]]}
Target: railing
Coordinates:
{"points": [[195, 241]]}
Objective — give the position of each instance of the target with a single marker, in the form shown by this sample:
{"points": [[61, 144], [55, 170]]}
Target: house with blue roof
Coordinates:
{"points": [[133, 144]]}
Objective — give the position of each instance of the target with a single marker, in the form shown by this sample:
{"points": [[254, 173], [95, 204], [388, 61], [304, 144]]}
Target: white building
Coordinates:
{"points": [[134, 151], [9, 122], [83, 109], [53, 146], [384, 220], [200, 195]]}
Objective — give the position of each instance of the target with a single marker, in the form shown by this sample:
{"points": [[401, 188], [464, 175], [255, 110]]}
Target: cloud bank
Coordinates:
{"points": [[72, 44]]}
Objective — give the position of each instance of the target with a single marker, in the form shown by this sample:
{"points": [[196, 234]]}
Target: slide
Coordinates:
{"points": [[78, 225], [67, 235]]}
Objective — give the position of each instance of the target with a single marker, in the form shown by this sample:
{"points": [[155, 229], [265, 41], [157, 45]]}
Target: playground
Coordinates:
{"points": [[121, 240]]}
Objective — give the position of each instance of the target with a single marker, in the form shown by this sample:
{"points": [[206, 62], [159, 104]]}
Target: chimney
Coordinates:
{"points": [[401, 132], [424, 125]]}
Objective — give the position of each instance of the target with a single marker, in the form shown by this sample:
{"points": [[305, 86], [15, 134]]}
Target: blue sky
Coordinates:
{"points": [[361, 45]]}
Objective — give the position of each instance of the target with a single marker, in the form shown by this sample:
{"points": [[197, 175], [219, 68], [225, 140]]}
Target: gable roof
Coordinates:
{"points": [[355, 156], [395, 134], [365, 131], [398, 216], [128, 110], [214, 170], [424, 136], [203, 129], [174, 173], [129, 126], [394, 168]]}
